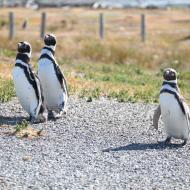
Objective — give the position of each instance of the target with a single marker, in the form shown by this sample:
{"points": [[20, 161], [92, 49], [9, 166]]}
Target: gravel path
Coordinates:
{"points": [[98, 145]]}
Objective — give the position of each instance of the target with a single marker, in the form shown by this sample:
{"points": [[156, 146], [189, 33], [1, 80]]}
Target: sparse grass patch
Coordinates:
{"points": [[7, 53], [122, 96], [126, 83], [23, 125], [93, 93], [23, 130], [6, 90]]}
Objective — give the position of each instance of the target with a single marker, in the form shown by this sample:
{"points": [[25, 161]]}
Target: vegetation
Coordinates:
{"points": [[21, 126], [119, 66], [23, 130], [6, 90]]}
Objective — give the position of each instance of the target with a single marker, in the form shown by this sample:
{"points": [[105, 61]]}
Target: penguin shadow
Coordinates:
{"points": [[144, 146], [12, 121]]}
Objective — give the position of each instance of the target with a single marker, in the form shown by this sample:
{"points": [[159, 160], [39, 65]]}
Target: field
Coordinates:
{"points": [[100, 143], [120, 66]]}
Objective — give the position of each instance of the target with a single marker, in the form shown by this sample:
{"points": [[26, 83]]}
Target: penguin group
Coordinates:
{"points": [[45, 94]]}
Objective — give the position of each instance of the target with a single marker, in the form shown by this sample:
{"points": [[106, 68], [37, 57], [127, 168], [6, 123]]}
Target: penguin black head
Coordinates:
{"points": [[170, 74], [50, 40], [24, 48]]}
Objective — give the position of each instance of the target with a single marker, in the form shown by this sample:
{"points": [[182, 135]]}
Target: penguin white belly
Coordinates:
{"points": [[173, 117], [24, 91], [54, 95]]}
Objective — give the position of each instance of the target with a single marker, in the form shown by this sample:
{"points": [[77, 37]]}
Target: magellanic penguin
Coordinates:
{"points": [[173, 109], [27, 85], [52, 79]]}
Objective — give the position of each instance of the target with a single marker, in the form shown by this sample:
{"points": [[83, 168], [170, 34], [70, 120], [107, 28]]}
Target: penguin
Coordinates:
{"points": [[27, 85], [173, 109], [52, 79]]}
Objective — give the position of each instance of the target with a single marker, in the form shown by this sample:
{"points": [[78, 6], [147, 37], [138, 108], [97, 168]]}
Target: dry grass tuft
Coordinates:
{"points": [[23, 130], [29, 133]]}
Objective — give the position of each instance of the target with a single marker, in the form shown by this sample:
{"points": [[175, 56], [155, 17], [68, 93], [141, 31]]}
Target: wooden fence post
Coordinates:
{"points": [[43, 25], [101, 26], [11, 26], [143, 28]]}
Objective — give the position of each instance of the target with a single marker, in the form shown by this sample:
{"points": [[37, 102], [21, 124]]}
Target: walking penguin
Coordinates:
{"points": [[174, 110], [27, 85], [52, 79]]}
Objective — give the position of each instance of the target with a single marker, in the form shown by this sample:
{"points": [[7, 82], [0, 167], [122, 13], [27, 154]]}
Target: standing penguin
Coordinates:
{"points": [[27, 85], [174, 110], [52, 79]]}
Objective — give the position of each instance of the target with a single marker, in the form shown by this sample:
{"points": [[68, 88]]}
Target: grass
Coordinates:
{"points": [[119, 66], [6, 90], [23, 130], [21, 126], [122, 82], [7, 53]]}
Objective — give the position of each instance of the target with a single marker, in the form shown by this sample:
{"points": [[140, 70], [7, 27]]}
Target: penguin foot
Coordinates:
{"points": [[43, 117], [167, 141], [32, 119], [40, 119], [29, 119], [184, 142], [59, 114], [50, 114]]}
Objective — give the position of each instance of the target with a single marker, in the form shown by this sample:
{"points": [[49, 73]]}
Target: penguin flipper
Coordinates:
{"points": [[61, 78], [39, 91], [156, 117], [187, 112]]}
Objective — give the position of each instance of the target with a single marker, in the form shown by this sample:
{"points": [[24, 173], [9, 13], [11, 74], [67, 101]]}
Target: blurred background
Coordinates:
{"points": [[115, 49]]}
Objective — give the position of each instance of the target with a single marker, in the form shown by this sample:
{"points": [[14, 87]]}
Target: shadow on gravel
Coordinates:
{"points": [[142, 146], [10, 120]]}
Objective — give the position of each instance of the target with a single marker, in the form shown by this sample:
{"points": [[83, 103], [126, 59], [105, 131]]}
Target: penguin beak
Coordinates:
{"points": [[46, 36]]}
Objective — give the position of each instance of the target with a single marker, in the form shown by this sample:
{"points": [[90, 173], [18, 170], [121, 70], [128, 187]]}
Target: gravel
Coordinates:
{"points": [[98, 145]]}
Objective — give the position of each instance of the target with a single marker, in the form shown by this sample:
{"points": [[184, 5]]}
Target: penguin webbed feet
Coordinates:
{"points": [[167, 141], [40, 119], [184, 142], [62, 110], [60, 114], [51, 115], [32, 119], [29, 118]]}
